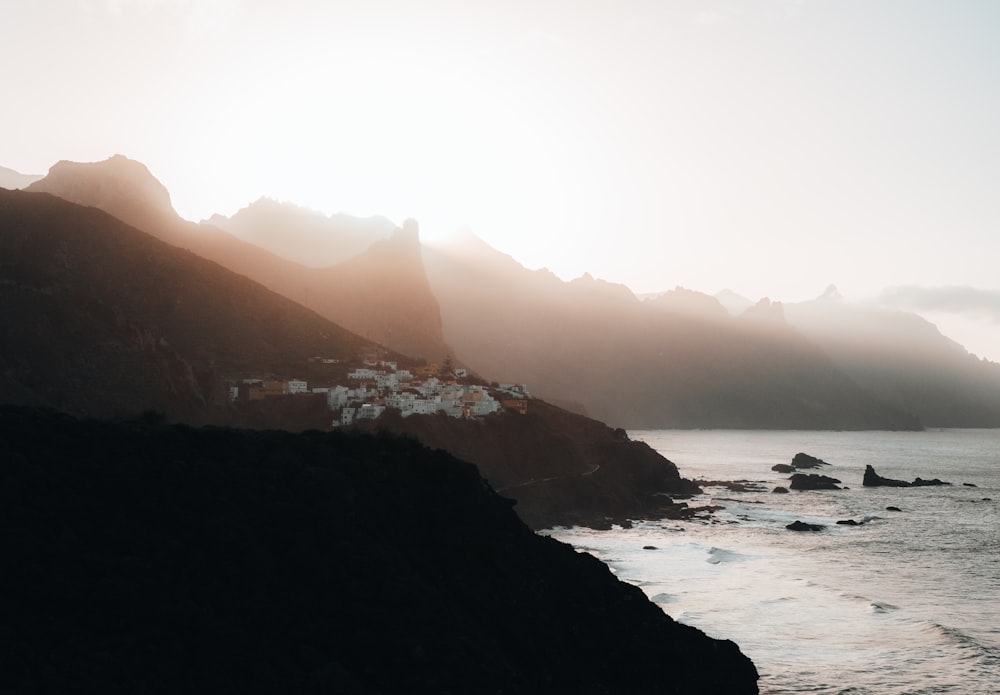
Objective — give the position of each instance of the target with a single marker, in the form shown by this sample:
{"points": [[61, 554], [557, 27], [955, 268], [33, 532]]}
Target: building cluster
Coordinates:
{"points": [[373, 389]]}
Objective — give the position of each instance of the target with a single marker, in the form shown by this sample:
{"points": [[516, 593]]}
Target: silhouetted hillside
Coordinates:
{"points": [[302, 235], [562, 468], [401, 314], [151, 559], [98, 318], [674, 361]]}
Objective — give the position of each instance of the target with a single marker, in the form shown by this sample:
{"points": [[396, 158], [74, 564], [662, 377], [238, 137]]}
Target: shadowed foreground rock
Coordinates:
{"points": [[143, 558]]}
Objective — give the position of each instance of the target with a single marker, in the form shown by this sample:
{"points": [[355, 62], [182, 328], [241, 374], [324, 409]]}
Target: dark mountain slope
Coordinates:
{"points": [[675, 361], [562, 468], [143, 559], [126, 189], [98, 318]]}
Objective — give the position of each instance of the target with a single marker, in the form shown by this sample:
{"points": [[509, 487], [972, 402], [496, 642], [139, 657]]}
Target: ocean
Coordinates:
{"points": [[905, 602]]}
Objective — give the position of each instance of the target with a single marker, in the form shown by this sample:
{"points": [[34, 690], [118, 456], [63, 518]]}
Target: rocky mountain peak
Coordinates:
{"points": [[115, 184]]}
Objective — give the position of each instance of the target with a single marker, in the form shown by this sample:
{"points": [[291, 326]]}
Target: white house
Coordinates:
{"points": [[337, 397], [297, 386], [370, 411]]}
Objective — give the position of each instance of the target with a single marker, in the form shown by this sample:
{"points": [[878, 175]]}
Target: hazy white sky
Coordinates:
{"points": [[768, 146]]}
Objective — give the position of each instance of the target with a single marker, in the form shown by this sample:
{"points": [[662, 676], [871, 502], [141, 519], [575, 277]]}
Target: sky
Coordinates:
{"points": [[772, 147]]}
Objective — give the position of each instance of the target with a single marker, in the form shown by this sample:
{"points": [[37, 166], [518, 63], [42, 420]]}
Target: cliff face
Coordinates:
{"points": [[168, 559], [563, 469]]}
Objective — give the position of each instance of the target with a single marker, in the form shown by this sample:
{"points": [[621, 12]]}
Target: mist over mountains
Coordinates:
{"points": [[678, 359], [103, 320], [387, 303], [303, 235], [99, 319], [13, 180]]}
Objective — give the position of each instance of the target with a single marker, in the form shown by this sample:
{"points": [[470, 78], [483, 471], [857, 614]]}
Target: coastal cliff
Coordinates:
{"points": [[563, 469], [154, 558]]}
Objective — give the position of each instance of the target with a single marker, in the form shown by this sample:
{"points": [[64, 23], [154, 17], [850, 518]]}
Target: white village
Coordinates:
{"points": [[381, 385]]}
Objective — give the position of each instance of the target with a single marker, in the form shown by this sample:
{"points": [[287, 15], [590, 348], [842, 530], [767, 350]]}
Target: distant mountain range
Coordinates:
{"points": [[302, 235], [13, 180], [677, 359]]}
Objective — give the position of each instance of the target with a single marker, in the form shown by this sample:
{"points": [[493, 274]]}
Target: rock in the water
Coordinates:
{"points": [[848, 522], [780, 490], [649, 547], [873, 479], [813, 481], [920, 482], [802, 460], [783, 468], [970, 485], [803, 526]]}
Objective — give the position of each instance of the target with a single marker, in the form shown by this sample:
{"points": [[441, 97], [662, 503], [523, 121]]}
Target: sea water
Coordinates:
{"points": [[906, 602]]}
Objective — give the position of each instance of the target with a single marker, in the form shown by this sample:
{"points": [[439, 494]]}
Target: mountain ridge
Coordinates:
{"points": [[675, 359], [406, 320]]}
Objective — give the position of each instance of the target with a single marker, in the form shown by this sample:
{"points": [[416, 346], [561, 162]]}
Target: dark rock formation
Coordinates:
{"points": [[813, 481], [150, 558], [783, 468], [801, 460], [803, 526], [780, 490], [893, 509], [849, 522], [562, 468], [873, 479], [920, 482]]}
